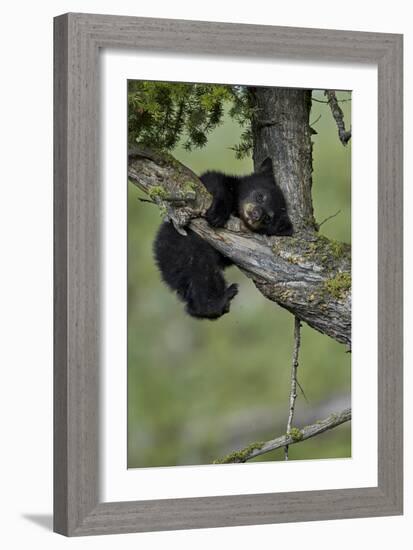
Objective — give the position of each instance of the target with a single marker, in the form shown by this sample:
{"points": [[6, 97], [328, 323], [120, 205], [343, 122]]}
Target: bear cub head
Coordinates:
{"points": [[261, 203]]}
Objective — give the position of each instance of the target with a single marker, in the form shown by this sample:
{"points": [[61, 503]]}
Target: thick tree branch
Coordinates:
{"points": [[307, 274], [171, 185], [295, 436]]}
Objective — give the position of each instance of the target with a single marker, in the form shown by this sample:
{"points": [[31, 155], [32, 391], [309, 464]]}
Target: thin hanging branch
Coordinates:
{"points": [[293, 386], [295, 436], [338, 115]]}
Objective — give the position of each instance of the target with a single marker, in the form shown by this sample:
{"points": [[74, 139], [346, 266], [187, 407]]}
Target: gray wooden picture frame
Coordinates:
{"points": [[78, 39]]}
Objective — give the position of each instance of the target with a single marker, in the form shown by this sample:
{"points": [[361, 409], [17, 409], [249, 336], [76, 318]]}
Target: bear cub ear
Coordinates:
{"points": [[266, 167]]}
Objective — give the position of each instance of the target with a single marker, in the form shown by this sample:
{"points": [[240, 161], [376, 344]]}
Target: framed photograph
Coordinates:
{"points": [[228, 274]]}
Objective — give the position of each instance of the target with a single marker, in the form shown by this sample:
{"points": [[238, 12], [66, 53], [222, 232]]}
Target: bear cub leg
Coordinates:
{"points": [[204, 302], [194, 269]]}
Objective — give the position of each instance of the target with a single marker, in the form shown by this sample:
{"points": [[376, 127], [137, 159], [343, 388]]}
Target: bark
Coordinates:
{"points": [[281, 130], [338, 115]]}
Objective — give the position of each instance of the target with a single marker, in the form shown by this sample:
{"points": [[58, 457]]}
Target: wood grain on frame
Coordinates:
{"points": [[78, 39]]}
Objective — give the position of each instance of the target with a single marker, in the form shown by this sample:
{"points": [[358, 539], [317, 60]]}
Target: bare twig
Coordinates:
{"points": [[329, 218], [296, 435], [338, 115], [326, 102], [293, 387], [315, 121], [302, 391]]}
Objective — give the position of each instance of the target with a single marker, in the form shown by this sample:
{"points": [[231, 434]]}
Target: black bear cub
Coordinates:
{"points": [[191, 266]]}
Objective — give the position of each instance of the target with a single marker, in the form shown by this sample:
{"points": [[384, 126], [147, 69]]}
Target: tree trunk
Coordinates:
{"points": [[281, 130]]}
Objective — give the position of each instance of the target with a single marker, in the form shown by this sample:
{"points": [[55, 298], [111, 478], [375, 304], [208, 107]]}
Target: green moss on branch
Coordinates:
{"points": [[296, 434], [338, 286], [240, 456]]}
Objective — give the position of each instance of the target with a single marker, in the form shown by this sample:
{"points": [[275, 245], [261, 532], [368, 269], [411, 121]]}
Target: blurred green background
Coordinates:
{"points": [[198, 390]]}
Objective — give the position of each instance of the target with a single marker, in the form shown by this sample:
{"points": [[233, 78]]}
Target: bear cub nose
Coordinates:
{"points": [[256, 213]]}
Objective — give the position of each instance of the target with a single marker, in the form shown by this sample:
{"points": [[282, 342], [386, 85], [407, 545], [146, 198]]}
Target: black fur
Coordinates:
{"points": [[191, 266]]}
